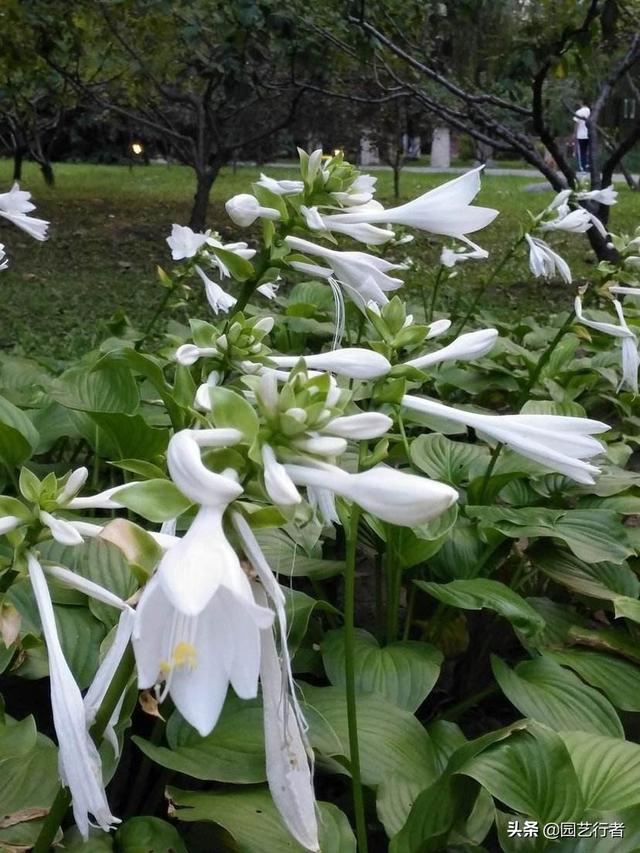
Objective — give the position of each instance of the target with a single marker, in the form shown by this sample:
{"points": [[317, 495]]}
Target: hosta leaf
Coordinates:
{"points": [[149, 835], [233, 752], [109, 388], [542, 690], [618, 679], [288, 559], [594, 535], [531, 772], [627, 607], [250, 817], [390, 738], [445, 460], [608, 769], [232, 410], [155, 500], [479, 593], [128, 436], [28, 778], [604, 580], [460, 554], [80, 636], [404, 673], [18, 436]]}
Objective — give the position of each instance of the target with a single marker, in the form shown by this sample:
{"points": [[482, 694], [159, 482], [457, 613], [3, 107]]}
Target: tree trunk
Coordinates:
{"points": [[18, 156], [397, 167], [204, 182], [47, 173]]}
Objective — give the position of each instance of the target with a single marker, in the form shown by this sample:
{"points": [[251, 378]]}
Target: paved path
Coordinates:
{"points": [[452, 170]]}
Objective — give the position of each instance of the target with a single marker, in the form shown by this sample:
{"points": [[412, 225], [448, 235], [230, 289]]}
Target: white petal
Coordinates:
{"points": [[62, 531]]}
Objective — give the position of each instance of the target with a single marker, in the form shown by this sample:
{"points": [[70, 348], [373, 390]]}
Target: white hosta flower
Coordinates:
{"points": [[361, 231], [9, 523], [62, 531], [75, 482], [202, 399], [629, 342], [437, 328], [353, 362], [450, 257], [314, 163], [360, 192], [363, 276], [446, 210], [606, 196], [278, 483], [573, 221], [241, 249], [289, 758], [200, 599], [557, 442], [544, 262], [102, 500], [184, 242], [79, 761], [365, 425], [4, 261], [15, 206], [628, 291], [466, 347], [391, 495], [188, 354], [244, 209], [218, 299], [280, 187], [269, 289]]}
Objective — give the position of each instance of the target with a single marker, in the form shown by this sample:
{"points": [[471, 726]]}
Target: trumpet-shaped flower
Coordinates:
{"points": [[280, 187], [362, 426], [557, 442], [361, 231], [360, 192], [544, 262], [629, 342], [16, 206], [363, 276], [218, 299], [185, 243], [278, 483], [391, 495], [450, 257], [606, 196], [244, 209], [79, 762], [188, 354], [574, 221], [269, 289], [465, 348], [200, 599], [241, 249], [446, 210], [353, 362]]}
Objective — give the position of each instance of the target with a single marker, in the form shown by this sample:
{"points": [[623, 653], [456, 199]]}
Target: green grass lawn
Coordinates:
{"points": [[107, 237]]}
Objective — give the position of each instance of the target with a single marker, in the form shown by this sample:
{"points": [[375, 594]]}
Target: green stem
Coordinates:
{"points": [[403, 434], [146, 332], [394, 584], [434, 293], [409, 616], [487, 474], [546, 355], [350, 681], [63, 797], [483, 287]]}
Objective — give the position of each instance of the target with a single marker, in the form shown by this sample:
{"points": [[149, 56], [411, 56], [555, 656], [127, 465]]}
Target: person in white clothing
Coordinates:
{"points": [[581, 117]]}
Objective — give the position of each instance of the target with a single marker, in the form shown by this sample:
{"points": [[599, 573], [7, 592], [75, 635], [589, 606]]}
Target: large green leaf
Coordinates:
{"points": [[404, 673], [128, 436], [604, 580], [289, 560], [460, 554], [608, 770], [618, 679], [28, 779], [233, 752], [18, 436], [80, 636], [149, 835], [479, 593], [108, 388], [531, 772], [446, 460], [594, 535], [546, 692], [250, 817], [396, 754]]}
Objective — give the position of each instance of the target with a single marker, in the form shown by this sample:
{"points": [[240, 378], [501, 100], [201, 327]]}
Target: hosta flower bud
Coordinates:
{"points": [[244, 209], [278, 484], [353, 362], [466, 347], [188, 354], [359, 427]]}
